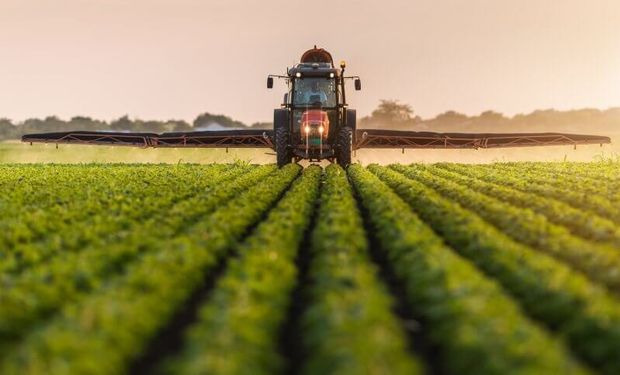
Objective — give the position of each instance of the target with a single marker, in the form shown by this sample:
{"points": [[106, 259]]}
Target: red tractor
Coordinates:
{"points": [[314, 122]]}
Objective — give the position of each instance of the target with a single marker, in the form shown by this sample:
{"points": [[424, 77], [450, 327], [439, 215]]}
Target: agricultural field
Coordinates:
{"points": [[504, 268]]}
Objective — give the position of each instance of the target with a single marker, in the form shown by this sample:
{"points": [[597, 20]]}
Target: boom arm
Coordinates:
{"points": [[380, 138], [363, 138], [225, 138]]}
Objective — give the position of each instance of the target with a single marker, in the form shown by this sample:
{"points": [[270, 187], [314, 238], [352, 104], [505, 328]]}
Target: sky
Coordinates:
{"points": [[174, 59]]}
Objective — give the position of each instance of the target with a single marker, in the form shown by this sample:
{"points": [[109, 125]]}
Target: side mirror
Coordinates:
{"points": [[358, 84], [269, 82], [285, 101]]}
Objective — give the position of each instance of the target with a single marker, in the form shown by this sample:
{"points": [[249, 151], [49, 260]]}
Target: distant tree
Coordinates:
{"points": [[86, 123], [391, 113], [7, 129], [450, 121], [491, 116], [81, 119], [451, 117], [123, 124], [206, 119]]}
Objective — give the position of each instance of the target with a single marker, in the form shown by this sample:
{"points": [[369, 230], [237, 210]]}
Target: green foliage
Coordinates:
{"points": [[599, 262], [469, 315], [348, 325], [510, 268], [237, 328], [585, 224], [120, 318], [110, 248], [548, 290], [569, 190]]}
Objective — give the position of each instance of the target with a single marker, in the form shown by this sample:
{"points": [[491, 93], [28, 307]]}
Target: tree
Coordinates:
{"points": [[7, 129], [391, 113], [206, 119], [123, 124]]}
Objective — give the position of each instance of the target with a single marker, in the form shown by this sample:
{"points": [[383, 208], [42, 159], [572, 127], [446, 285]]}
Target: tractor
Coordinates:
{"points": [[314, 121]]}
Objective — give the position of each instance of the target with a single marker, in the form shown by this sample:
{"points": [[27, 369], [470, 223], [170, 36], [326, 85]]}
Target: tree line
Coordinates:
{"points": [[390, 114], [205, 121]]}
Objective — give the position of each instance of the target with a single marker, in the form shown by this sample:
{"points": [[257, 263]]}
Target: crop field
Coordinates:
{"points": [[506, 268]]}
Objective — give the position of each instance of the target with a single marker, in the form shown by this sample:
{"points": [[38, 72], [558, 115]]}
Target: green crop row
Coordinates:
{"points": [[602, 188], [600, 262], [469, 316], [37, 205], [563, 192], [348, 325], [238, 326], [72, 193], [104, 332], [601, 175], [578, 310], [107, 222], [36, 293], [580, 222], [41, 201]]}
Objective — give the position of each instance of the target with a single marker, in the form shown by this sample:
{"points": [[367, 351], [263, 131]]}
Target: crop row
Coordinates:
{"points": [[566, 192], [601, 187], [599, 261], [84, 226], [39, 202], [237, 328], [32, 295], [582, 223], [469, 316], [600, 174], [121, 318], [348, 323], [549, 291]]}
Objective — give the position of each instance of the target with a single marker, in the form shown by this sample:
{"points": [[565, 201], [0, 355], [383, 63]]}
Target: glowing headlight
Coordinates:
{"points": [[321, 129], [298, 75], [307, 129], [331, 75]]}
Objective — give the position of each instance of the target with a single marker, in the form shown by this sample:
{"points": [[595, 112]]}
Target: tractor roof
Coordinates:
{"points": [[315, 62], [317, 55]]}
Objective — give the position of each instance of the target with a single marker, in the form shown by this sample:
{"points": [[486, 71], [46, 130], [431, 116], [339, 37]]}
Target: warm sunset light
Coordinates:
{"points": [[174, 59]]}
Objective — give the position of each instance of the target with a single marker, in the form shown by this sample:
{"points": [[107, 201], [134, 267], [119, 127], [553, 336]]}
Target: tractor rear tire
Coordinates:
{"points": [[283, 154], [345, 145]]}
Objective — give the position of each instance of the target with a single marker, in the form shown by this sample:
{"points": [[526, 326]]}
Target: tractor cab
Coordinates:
{"points": [[314, 105], [314, 123]]}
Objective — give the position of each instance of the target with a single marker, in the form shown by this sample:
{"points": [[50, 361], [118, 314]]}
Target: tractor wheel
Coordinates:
{"points": [[345, 144], [283, 154]]}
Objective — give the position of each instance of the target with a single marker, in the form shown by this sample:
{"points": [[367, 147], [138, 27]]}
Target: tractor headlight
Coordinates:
{"points": [[298, 75], [307, 129], [321, 129], [331, 75]]}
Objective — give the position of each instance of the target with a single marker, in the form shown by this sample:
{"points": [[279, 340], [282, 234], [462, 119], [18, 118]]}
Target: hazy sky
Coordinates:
{"points": [[161, 59]]}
